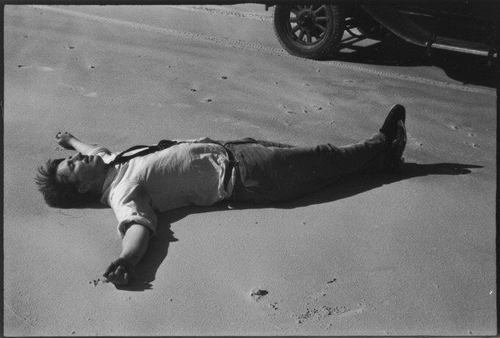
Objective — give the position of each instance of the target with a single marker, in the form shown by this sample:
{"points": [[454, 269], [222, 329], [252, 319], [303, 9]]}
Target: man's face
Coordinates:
{"points": [[80, 168]]}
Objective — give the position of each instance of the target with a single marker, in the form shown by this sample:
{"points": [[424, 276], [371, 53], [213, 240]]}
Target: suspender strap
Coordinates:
{"points": [[122, 157]]}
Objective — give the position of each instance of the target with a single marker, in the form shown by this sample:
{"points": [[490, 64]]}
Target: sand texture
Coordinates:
{"points": [[410, 254]]}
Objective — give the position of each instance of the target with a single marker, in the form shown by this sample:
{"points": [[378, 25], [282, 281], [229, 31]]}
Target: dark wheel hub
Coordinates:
{"points": [[308, 24], [306, 20]]}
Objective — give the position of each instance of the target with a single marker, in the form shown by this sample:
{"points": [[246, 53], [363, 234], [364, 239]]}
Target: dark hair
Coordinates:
{"points": [[57, 193]]}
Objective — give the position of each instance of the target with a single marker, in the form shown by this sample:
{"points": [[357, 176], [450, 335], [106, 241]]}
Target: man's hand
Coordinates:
{"points": [[134, 245], [64, 140], [119, 272]]}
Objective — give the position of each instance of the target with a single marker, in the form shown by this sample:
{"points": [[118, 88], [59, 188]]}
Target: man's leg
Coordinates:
{"points": [[279, 174]]}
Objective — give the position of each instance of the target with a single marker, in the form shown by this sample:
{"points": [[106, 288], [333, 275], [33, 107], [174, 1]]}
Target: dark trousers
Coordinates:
{"points": [[273, 172]]}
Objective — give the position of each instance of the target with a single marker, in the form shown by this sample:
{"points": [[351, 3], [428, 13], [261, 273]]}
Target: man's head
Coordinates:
{"points": [[73, 181]]}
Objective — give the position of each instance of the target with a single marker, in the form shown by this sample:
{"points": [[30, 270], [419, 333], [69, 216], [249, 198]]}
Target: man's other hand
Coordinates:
{"points": [[64, 140], [119, 272]]}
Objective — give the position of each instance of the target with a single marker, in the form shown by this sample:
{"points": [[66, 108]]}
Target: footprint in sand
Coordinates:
{"points": [[40, 68], [287, 110], [455, 127], [45, 69], [352, 312], [274, 306]]}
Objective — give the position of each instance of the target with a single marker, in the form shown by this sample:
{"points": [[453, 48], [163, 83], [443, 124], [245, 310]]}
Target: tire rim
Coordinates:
{"points": [[308, 24]]}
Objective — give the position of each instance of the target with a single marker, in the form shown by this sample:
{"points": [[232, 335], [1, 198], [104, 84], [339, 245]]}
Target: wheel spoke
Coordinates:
{"points": [[295, 29], [301, 35], [319, 9], [309, 39], [294, 19], [321, 18], [321, 28]]}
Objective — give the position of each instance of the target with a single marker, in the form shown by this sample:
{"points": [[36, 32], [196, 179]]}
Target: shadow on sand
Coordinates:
{"points": [[392, 51], [159, 245]]}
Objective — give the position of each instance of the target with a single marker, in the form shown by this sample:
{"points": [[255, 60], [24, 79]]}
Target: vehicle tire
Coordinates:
{"points": [[309, 31]]}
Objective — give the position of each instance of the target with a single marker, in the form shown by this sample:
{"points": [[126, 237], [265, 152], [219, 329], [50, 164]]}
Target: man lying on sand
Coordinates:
{"points": [[143, 180]]}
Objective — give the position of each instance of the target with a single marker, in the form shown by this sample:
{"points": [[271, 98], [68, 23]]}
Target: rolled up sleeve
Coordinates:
{"points": [[132, 205]]}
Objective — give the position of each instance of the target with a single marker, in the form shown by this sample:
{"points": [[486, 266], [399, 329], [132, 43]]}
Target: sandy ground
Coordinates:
{"points": [[413, 254]]}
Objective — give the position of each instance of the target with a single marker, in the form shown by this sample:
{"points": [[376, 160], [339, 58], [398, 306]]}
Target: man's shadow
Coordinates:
{"points": [[160, 244], [392, 51]]}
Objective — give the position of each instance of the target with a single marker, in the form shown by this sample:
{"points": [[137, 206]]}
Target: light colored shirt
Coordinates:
{"points": [[190, 173]]}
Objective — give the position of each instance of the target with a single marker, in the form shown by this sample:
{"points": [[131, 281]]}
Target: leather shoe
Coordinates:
{"points": [[389, 128], [396, 149]]}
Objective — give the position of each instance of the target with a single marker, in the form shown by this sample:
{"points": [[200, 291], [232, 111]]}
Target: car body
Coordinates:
{"points": [[314, 29]]}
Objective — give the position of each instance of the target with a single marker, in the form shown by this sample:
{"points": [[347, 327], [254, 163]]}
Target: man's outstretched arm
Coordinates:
{"points": [[134, 245], [70, 142]]}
